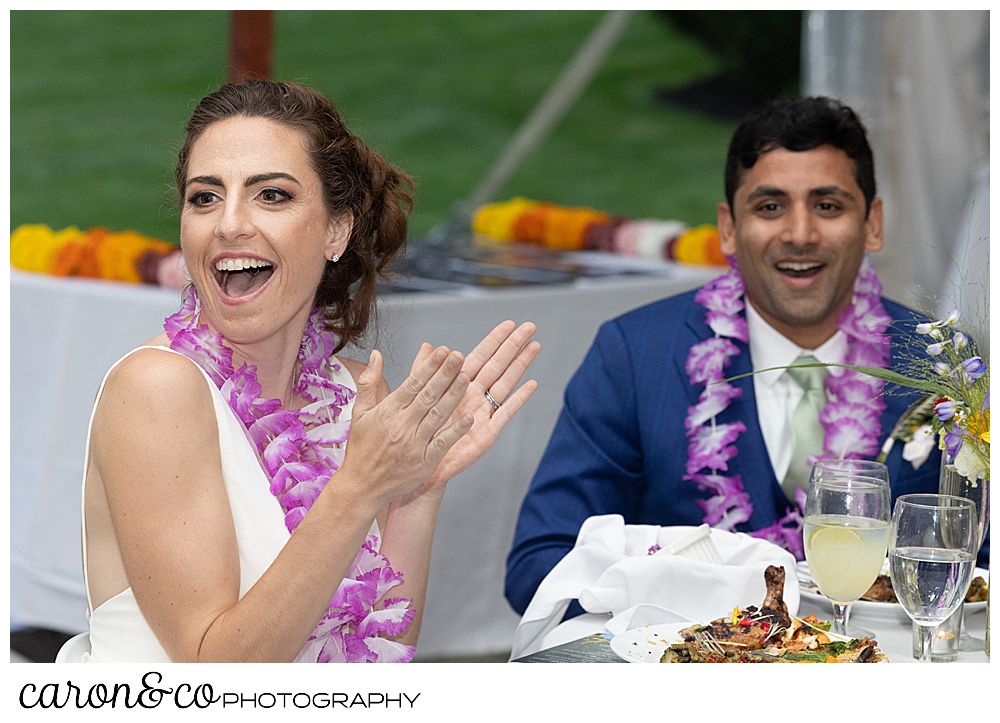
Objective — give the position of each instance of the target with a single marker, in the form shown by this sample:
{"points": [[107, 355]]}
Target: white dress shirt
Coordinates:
{"points": [[777, 393]]}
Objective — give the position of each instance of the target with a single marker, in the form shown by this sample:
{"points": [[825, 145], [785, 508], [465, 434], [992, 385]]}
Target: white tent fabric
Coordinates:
{"points": [[920, 82]]}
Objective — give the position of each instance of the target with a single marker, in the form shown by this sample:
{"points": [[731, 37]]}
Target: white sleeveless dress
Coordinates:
{"points": [[118, 631]]}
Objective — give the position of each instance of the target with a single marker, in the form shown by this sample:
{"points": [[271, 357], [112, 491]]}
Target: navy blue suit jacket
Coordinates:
{"points": [[619, 446]]}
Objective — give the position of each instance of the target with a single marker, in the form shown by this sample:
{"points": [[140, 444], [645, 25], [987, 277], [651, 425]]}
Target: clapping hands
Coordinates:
{"points": [[496, 366], [439, 421]]}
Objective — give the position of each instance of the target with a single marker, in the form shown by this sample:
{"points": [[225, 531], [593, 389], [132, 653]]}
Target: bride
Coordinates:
{"points": [[210, 444]]}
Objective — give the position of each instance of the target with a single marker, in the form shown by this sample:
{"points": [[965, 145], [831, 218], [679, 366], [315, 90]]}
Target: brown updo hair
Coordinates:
{"points": [[354, 179]]}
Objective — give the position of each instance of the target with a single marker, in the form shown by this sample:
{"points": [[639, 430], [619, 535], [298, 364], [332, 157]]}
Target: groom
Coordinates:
{"points": [[649, 428]]}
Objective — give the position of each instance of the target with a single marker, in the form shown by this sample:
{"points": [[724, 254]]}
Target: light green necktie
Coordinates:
{"points": [[807, 432]]}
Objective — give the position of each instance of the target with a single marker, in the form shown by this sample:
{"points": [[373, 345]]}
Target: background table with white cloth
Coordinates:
{"points": [[66, 333]]}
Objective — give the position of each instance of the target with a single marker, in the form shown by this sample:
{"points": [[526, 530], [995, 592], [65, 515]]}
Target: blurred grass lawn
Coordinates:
{"points": [[99, 99]]}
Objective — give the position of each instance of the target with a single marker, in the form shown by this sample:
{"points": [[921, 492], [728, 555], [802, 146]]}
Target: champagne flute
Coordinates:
{"points": [[846, 530], [932, 553]]}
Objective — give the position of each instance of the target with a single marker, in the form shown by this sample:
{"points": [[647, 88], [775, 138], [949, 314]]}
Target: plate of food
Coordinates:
{"points": [[648, 643], [765, 634], [880, 600]]}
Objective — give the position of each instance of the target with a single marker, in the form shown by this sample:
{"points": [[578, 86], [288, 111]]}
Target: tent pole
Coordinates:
{"points": [[551, 109], [250, 40]]}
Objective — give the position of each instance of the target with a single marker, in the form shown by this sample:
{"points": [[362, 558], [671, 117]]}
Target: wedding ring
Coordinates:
{"points": [[491, 400]]}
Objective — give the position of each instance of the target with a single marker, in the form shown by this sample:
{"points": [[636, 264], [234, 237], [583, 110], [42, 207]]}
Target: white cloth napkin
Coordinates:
{"points": [[610, 570]]}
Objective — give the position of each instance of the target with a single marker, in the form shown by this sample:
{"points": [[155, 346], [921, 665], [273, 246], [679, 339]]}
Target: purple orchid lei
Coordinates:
{"points": [[850, 419], [300, 450]]}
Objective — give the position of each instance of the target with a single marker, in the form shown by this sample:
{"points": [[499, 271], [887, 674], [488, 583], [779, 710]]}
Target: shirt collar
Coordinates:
{"points": [[770, 348]]}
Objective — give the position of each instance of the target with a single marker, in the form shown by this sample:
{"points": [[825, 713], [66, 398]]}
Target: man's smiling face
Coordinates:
{"points": [[799, 232]]}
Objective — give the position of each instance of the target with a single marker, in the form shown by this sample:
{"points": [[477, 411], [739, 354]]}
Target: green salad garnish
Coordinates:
{"points": [[834, 648]]}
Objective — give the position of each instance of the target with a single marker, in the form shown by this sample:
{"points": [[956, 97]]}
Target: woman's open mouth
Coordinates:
{"points": [[799, 269], [239, 277]]}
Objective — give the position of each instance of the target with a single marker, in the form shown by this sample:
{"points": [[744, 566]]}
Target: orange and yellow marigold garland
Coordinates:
{"points": [[96, 253], [564, 228], [546, 224]]}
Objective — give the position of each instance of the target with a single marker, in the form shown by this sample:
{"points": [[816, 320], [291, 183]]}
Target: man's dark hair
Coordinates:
{"points": [[801, 124]]}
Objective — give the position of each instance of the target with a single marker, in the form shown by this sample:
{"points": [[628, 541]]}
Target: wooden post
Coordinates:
{"points": [[250, 33]]}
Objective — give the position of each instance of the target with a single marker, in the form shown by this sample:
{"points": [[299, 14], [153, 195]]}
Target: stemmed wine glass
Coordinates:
{"points": [[932, 553], [846, 530]]}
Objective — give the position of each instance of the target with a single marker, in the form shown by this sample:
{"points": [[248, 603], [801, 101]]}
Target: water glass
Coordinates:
{"points": [[945, 639], [932, 554]]}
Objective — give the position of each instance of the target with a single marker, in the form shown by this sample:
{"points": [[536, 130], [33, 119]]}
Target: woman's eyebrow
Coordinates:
{"points": [[264, 177], [207, 180]]}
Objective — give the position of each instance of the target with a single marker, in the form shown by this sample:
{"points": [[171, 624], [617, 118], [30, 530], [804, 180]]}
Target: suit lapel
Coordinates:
{"points": [[695, 322], [752, 463]]}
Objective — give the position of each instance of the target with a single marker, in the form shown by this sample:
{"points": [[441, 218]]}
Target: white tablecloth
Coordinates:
{"points": [[66, 333], [895, 637]]}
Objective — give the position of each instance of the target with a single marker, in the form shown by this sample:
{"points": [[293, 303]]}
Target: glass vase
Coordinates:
{"points": [[951, 482]]}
